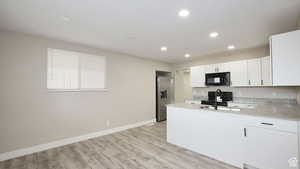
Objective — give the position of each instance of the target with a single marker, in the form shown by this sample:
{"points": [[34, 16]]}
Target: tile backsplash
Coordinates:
{"points": [[288, 94]]}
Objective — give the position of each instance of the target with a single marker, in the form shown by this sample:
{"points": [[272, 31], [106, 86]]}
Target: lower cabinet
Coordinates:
{"points": [[228, 138], [270, 149], [212, 134]]}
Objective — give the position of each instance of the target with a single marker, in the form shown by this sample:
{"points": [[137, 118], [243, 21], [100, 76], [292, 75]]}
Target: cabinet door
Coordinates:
{"points": [[238, 73], [204, 132], [224, 67], [212, 68], [254, 72], [270, 149], [197, 76], [216, 68], [266, 71], [285, 52]]}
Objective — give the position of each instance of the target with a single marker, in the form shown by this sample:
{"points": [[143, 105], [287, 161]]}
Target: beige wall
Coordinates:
{"points": [[188, 92], [179, 86], [262, 92], [298, 92], [183, 91], [31, 115]]}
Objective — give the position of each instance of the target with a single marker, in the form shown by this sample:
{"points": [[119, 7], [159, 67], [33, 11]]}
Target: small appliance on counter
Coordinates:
{"points": [[220, 99]]}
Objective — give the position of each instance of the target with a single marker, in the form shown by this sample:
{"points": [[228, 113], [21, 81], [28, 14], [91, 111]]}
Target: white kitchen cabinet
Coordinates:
{"points": [[204, 132], [186, 127], [285, 52], [239, 140], [217, 68], [212, 68], [254, 72], [224, 67], [270, 149], [197, 76], [238, 73], [266, 71]]}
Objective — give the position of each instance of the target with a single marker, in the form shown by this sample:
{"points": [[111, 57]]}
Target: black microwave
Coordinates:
{"points": [[217, 79]]}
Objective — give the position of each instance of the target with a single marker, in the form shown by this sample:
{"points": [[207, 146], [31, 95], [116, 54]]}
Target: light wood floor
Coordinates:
{"points": [[139, 148]]}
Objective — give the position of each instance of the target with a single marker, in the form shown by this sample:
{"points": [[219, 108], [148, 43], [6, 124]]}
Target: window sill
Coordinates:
{"points": [[77, 90]]}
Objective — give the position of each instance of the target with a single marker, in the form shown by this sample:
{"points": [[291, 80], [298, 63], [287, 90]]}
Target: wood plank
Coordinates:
{"points": [[139, 148]]}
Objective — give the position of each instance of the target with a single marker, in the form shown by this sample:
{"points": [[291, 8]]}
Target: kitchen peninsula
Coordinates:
{"points": [[239, 138]]}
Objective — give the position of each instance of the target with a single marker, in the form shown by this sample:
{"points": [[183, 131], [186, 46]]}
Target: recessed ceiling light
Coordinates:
{"points": [[183, 13], [163, 48], [231, 47], [187, 55], [214, 34]]}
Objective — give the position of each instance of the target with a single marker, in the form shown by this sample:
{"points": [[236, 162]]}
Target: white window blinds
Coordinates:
{"points": [[92, 72], [69, 70]]}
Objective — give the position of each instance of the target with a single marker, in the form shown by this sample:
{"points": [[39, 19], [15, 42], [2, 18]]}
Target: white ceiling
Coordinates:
{"points": [[141, 27]]}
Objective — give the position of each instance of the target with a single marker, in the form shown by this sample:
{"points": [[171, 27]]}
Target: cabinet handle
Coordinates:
{"points": [[245, 132], [269, 124]]}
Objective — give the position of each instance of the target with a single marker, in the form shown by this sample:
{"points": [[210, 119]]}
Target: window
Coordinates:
{"points": [[69, 70]]}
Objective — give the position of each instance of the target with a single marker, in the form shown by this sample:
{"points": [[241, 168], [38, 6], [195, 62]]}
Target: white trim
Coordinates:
{"points": [[54, 144]]}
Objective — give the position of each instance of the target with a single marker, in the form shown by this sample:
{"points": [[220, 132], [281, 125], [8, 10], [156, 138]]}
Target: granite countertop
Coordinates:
{"points": [[268, 110]]}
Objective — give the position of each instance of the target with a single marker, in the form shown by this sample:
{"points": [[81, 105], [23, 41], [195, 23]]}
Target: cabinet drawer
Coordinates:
{"points": [[275, 124]]}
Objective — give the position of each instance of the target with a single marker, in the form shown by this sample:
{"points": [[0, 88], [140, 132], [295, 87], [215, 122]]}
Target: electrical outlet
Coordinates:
{"points": [[107, 123]]}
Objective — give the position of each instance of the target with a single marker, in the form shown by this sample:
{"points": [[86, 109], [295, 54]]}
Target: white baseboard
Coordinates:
{"points": [[43, 147]]}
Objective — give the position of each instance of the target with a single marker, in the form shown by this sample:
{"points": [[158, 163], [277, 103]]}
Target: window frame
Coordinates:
{"points": [[79, 89]]}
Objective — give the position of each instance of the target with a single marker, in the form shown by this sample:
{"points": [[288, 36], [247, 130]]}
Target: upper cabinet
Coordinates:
{"points": [[254, 72], [198, 76], [285, 52], [266, 71], [224, 67], [216, 68], [243, 73], [238, 73], [212, 68]]}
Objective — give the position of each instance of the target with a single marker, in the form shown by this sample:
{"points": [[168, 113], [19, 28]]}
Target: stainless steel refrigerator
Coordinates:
{"points": [[164, 96]]}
